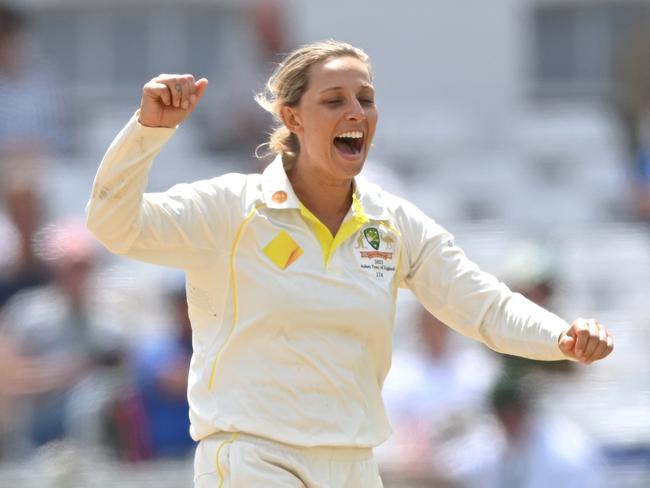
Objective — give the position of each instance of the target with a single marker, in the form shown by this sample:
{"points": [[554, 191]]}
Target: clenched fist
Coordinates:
{"points": [[587, 341], [167, 100]]}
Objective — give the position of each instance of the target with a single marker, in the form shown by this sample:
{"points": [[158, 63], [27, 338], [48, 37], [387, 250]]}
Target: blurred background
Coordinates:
{"points": [[523, 126]]}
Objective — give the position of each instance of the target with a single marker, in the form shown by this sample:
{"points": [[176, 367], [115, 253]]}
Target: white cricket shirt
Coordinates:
{"points": [[292, 327]]}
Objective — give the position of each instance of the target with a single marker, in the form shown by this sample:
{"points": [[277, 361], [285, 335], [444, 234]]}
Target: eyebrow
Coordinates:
{"points": [[333, 88]]}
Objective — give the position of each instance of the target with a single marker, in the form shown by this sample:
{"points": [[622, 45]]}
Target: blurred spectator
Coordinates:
{"points": [[73, 359], [435, 398], [541, 451], [530, 270], [161, 366], [236, 123], [31, 115], [19, 376], [632, 95], [20, 265]]}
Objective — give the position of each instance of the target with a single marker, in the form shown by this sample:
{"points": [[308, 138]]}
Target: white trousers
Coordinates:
{"points": [[236, 460]]}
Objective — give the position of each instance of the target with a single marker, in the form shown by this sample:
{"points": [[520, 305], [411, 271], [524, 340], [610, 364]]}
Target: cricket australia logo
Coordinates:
{"points": [[372, 237], [376, 242], [376, 247]]}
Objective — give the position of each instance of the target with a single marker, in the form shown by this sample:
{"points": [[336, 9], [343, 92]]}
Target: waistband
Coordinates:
{"points": [[329, 452]]}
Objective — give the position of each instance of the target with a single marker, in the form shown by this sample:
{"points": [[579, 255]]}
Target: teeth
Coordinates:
{"points": [[355, 134]]}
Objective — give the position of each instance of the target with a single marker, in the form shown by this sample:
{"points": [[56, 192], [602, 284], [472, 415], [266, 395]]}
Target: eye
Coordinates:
{"points": [[333, 102], [367, 101]]}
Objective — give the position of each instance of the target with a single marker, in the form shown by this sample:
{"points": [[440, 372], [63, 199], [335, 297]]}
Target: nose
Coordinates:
{"points": [[355, 111]]}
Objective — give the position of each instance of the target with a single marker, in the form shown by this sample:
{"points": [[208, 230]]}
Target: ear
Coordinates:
{"points": [[291, 119]]}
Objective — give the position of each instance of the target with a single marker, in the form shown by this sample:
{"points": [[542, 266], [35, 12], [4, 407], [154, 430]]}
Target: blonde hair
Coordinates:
{"points": [[287, 84]]}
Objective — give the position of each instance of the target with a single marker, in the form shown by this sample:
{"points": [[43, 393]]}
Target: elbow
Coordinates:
{"points": [[111, 237]]}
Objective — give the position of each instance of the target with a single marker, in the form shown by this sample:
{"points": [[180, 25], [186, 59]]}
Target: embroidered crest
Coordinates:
{"points": [[376, 247], [372, 237]]}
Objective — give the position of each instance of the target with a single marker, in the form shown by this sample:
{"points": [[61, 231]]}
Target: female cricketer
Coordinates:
{"points": [[292, 275]]}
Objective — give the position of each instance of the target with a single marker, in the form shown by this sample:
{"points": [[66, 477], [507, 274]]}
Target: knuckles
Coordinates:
{"points": [[162, 77]]}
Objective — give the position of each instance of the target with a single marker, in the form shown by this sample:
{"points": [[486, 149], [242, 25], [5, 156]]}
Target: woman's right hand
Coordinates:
{"points": [[167, 100]]}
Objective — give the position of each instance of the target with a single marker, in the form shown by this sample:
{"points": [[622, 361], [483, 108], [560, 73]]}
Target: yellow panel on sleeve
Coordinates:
{"points": [[283, 250]]}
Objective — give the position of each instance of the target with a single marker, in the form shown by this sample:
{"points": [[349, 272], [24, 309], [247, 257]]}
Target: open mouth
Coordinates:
{"points": [[350, 143]]}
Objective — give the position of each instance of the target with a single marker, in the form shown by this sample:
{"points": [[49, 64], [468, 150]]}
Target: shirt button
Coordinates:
{"points": [[279, 196]]}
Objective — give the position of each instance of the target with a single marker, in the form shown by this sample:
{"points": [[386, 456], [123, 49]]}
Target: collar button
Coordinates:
{"points": [[279, 196]]}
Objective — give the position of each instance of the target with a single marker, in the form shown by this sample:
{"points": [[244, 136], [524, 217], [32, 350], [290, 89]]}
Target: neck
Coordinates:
{"points": [[327, 198]]}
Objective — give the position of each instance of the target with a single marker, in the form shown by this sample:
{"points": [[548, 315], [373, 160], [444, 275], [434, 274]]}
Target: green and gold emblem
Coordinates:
{"points": [[372, 236]]}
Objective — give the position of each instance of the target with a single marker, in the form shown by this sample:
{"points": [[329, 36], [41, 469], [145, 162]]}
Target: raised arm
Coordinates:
{"points": [[176, 228]]}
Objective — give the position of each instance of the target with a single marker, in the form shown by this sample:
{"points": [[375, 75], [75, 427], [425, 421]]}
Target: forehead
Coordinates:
{"points": [[345, 71]]}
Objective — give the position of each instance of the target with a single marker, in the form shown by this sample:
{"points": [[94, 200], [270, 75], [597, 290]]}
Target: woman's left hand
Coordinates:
{"points": [[586, 340]]}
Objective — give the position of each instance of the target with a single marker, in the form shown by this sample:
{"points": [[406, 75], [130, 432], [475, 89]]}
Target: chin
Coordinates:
{"points": [[351, 167]]}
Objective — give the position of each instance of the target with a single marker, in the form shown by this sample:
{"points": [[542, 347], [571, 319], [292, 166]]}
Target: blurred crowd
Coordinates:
{"points": [[67, 370], [464, 416], [71, 370]]}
